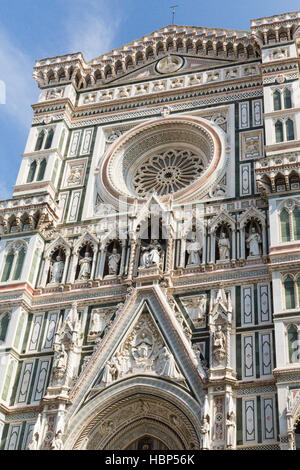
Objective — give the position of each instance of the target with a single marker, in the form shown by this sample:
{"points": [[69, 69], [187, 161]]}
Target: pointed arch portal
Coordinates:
{"points": [[137, 410]]}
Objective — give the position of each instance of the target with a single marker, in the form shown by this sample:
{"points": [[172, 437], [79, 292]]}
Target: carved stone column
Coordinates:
{"points": [[66, 267], [73, 264], [94, 262], [182, 252], [243, 242], [102, 261], [264, 241], [46, 271], [212, 247], [233, 245], [132, 257], [169, 255], [123, 257]]}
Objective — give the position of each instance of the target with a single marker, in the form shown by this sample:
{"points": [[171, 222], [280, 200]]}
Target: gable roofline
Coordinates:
{"points": [[171, 29]]}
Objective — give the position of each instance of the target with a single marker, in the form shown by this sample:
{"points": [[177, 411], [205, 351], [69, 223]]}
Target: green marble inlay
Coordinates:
{"points": [[19, 331]]}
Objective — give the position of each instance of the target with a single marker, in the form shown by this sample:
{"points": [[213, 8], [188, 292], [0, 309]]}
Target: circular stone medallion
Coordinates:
{"points": [[169, 64]]}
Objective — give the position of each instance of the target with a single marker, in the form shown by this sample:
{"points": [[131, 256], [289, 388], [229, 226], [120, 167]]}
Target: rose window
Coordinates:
{"points": [[167, 172]]}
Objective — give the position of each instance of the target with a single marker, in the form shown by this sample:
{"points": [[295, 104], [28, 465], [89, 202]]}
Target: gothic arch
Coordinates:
{"points": [[86, 239], [58, 243], [222, 219], [254, 214], [116, 417]]}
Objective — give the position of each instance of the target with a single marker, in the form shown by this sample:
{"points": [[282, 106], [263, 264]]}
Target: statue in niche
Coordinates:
{"points": [[253, 241], [219, 338], [204, 430], [60, 360], [151, 255], [57, 443], [168, 364], [224, 247], [85, 267], [196, 307], [230, 426], [219, 344], [97, 323], [193, 249], [113, 262], [56, 270]]}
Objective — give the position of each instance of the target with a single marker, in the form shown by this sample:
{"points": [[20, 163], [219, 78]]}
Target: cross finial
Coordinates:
{"points": [[173, 7]]}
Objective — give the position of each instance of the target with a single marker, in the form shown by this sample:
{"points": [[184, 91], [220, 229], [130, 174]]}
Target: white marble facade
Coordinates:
{"points": [[149, 256]]}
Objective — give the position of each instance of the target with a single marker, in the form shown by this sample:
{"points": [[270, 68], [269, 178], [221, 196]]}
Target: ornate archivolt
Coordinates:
{"points": [[115, 419], [184, 156]]}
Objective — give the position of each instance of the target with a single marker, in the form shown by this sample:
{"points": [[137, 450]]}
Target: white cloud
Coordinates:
{"points": [[16, 72], [91, 28]]}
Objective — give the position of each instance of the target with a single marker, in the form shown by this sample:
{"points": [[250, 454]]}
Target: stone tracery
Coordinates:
{"points": [[167, 172]]}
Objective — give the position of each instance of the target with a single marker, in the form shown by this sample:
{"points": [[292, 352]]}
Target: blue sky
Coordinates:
{"points": [[35, 29]]}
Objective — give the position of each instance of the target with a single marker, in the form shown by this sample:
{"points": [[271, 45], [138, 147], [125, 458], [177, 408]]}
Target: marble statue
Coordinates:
{"points": [[196, 307], [57, 443], [36, 432], [33, 444], [151, 255], [168, 364], [224, 247], [122, 361], [60, 359], [193, 249], [109, 373], [57, 270], [230, 426], [85, 267], [143, 348], [219, 345], [219, 339], [253, 241], [204, 431], [97, 323], [113, 262]]}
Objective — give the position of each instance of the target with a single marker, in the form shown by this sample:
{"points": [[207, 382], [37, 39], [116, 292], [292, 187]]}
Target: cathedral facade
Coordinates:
{"points": [[150, 253]]}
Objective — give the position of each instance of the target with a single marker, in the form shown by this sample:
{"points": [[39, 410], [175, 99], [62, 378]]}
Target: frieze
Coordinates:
{"points": [[153, 111], [256, 390]]}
